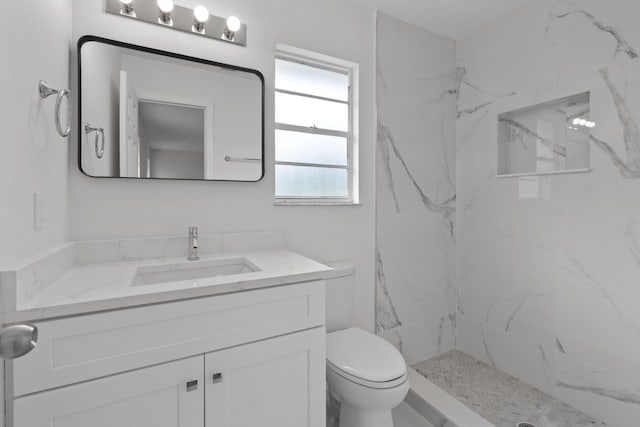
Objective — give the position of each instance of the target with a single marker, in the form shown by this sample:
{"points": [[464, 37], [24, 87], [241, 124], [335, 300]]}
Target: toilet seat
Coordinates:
{"points": [[364, 383], [365, 359]]}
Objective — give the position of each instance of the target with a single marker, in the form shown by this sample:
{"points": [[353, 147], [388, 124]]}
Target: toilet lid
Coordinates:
{"points": [[364, 355]]}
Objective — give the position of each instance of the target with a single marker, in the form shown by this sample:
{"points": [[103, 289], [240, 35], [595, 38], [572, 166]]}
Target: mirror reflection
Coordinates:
{"points": [[547, 138], [152, 114]]}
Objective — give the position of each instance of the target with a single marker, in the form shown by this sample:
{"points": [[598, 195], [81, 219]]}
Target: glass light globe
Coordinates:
{"points": [[165, 6], [233, 23], [201, 14]]}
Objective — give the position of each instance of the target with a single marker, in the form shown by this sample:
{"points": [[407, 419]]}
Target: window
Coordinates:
{"points": [[314, 132]]}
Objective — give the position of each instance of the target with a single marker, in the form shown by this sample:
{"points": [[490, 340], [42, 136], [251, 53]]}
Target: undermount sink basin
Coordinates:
{"points": [[191, 270]]}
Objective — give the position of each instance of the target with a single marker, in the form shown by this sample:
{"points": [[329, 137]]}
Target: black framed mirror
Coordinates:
{"points": [[150, 114]]}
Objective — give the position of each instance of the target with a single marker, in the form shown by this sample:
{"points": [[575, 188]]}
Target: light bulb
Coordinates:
{"points": [[164, 12], [233, 23], [201, 14], [583, 122], [576, 121], [165, 6]]}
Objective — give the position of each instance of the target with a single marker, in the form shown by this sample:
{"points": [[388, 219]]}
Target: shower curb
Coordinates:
{"points": [[439, 407]]}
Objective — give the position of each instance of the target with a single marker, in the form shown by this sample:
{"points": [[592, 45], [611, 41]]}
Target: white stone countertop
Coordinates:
{"points": [[107, 286]]}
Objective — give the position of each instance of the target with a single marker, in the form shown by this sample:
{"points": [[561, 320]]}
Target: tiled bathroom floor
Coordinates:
{"points": [[498, 397]]}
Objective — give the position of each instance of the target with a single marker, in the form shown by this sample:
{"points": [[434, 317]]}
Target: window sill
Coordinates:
{"points": [[313, 203]]}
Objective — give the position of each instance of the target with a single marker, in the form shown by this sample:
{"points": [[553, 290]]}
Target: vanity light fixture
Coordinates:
{"points": [[196, 20], [584, 123], [200, 18], [165, 7], [126, 8], [233, 24]]}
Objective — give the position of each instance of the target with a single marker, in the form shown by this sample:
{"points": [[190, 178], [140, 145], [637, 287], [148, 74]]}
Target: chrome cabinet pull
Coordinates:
{"points": [[17, 340], [241, 159], [217, 377], [192, 385], [46, 90]]}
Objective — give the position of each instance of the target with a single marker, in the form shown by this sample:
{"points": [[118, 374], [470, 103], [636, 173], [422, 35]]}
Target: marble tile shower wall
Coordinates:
{"points": [[417, 302], [549, 267]]}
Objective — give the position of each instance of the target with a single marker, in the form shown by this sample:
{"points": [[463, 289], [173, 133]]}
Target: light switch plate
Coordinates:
{"points": [[38, 211]]}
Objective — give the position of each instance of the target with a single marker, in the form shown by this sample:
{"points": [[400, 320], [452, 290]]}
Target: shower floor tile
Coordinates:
{"points": [[498, 397]]}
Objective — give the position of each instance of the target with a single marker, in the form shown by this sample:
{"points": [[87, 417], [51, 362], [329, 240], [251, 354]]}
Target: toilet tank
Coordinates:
{"points": [[340, 288]]}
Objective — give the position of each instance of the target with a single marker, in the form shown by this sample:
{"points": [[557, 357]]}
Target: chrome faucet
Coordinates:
{"points": [[193, 244]]}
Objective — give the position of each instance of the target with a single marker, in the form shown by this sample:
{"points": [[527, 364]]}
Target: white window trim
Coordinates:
{"points": [[351, 69]]}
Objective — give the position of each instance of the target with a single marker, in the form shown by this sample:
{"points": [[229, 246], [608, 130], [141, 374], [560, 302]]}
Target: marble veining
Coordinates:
{"points": [[625, 396], [631, 135], [472, 110], [98, 287], [516, 131], [478, 192], [500, 398], [578, 269], [612, 394], [448, 206], [575, 239], [415, 181], [631, 234], [622, 45], [447, 93], [85, 276], [386, 315], [383, 135], [516, 311]]}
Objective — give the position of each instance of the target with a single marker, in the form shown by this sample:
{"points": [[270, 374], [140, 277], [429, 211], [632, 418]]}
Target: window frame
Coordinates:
{"points": [[287, 53]]}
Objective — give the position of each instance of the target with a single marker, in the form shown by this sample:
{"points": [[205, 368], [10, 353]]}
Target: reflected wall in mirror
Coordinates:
{"points": [[152, 114], [547, 138]]}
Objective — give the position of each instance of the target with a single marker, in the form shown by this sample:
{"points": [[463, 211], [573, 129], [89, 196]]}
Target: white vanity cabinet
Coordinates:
{"points": [[278, 382], [254, 358], [155, 396]]}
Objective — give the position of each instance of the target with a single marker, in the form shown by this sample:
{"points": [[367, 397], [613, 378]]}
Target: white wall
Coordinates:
{"points": [[549, 266], [416, 304], [104, 208], [32, 156]]}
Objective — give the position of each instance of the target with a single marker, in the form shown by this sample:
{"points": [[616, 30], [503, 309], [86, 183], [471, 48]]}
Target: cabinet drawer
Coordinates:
{"points": [[80, 348]]}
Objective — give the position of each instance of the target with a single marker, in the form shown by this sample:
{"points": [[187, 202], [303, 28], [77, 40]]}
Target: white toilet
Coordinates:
{"points": [[364, 372]]}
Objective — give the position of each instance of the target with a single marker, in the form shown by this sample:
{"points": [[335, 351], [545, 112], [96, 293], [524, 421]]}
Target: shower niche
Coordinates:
{"points": [[548, 138]]}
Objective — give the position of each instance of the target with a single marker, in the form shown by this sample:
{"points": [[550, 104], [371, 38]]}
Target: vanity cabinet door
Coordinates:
{"points": [[157, 396], [279, 382]]}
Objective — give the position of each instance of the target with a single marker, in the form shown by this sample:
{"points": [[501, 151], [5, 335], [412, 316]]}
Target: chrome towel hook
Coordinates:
{"points": [[46, 91], [98, 140]]}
